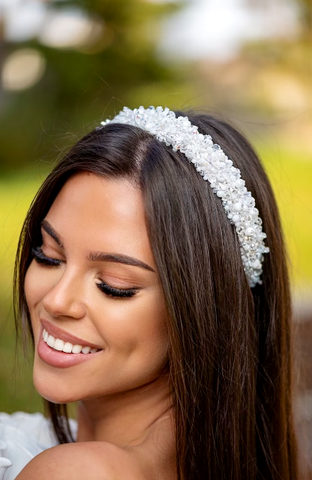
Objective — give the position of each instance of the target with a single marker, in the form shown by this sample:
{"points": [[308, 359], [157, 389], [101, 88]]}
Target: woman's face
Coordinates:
{"points": [[93, 284]]}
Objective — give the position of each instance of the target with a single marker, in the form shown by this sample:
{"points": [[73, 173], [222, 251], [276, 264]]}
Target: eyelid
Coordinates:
{"points": [[111, 291], [49, 242], [40, 257], [107, 289]]}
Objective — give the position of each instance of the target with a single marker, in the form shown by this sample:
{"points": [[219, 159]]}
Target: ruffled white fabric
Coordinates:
{"points": [[22, 437]]}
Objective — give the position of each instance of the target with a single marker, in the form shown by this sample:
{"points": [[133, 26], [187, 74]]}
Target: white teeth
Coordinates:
{"points": [[59, 344], [51, 341], [66, 347], [77, 348]]}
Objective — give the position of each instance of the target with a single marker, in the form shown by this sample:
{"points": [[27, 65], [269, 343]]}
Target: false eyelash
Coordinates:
{"points": [[40, 257], [116, 292], [110, 291]]}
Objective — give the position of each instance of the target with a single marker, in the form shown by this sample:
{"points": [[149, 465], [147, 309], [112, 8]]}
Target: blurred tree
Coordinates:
{"points": [[87, 82], [306, 15]]}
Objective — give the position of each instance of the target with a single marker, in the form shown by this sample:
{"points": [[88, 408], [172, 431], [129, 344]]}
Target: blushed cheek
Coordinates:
{"points": [[34, 292], [31, 286], [153, 334], [38, 282]]}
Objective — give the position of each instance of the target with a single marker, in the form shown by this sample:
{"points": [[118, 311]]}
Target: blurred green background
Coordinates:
{"points": [[67, 65]]}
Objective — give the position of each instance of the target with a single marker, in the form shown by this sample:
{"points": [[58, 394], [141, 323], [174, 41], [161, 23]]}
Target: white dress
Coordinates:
{"points": [[22, 437]]}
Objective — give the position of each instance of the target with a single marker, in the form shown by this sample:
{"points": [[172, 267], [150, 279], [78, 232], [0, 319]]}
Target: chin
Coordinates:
{"points": [[52, 391], [53, 396]]}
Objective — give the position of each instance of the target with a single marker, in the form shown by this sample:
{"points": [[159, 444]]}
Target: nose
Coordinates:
{"points": [[65, 298]]}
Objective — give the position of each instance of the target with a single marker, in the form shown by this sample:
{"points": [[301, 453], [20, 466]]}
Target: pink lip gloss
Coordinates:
{"points": [[60, 359]]}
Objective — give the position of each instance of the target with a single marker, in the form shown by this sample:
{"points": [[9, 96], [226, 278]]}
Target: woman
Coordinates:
{"points": [[157, 298]]}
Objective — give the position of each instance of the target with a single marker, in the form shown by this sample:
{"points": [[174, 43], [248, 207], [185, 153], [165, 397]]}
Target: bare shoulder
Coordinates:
{"points": [[79, 461]]}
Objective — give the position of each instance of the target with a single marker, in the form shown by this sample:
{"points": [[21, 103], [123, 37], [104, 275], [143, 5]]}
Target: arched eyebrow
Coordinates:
{"points": [[118, 258], [98, 256], [50, 231]]}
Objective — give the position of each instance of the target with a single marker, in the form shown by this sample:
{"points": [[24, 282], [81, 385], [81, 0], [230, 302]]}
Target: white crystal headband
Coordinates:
{"points": [[213, 165]]}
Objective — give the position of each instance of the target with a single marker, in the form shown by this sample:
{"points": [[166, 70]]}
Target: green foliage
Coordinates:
{"points": [[17, 391], [81, 86], [290, 173], [306, 16]]}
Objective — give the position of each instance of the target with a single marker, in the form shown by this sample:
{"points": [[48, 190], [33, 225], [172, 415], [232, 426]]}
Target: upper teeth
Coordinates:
{"points": [[61, 346]]}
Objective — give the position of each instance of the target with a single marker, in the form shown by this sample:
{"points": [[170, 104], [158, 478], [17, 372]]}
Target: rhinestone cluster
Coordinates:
{"points": [[215, 167]]}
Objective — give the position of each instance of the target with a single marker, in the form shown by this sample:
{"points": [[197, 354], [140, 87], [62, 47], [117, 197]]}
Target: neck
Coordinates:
{"points": [[124, 419]]}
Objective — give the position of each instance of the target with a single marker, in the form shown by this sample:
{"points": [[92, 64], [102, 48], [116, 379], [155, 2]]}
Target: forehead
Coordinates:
{"points": [[101, 214]]}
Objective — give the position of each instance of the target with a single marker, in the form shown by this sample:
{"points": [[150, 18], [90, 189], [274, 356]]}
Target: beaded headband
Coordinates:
{"points": [[214, 166]]}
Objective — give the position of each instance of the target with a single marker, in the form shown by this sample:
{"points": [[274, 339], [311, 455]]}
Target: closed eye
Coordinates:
{"points": [[40, 257], [110, 291], [117, 292]]}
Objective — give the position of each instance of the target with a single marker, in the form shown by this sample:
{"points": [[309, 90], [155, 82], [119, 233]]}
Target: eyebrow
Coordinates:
{"points": [[99, 256], [117, 258], [50, 231]]}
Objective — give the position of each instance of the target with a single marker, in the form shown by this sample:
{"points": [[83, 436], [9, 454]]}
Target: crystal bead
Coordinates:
{"points": [[216, 168]]}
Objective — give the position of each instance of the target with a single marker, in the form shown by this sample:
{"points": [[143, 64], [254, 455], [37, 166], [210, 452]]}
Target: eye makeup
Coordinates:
{"points": [[117, 292], [110, 291], [40, 257]]}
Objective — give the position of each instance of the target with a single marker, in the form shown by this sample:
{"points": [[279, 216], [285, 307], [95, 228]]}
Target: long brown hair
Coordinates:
{"points": [[230, 346]]}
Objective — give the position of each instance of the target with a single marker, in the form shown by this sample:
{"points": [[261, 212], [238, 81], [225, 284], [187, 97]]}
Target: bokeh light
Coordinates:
{"points": [[22, 69], [70, 29]]}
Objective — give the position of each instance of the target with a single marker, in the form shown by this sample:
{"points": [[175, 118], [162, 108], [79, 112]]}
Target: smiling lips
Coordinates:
{"points": [[61, 349], [66, 347]]}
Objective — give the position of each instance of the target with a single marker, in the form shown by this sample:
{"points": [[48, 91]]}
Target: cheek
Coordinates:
{"points": [[33, 292], [32, 286], [139, 327], [38, 282], [36, 286]]}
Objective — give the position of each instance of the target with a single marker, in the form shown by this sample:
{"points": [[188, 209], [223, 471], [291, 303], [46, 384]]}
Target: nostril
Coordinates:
{"points": [[63, 302]]}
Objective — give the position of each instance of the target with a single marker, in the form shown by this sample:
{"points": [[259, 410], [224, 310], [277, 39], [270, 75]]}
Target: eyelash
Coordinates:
{"points": [[40, 257], [110, 291], [116, 292]]}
